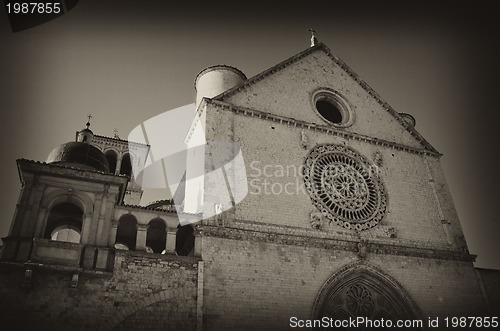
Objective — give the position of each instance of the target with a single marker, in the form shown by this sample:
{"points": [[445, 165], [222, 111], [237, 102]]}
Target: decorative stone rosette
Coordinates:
{"points": [[345, 187], [359, 301]]}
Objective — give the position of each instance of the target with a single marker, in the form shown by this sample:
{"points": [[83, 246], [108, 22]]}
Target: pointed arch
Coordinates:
{"points": [[359, 289]]}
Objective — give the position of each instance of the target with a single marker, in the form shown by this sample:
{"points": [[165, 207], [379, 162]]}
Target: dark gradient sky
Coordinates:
{"points": [[126, 61]]}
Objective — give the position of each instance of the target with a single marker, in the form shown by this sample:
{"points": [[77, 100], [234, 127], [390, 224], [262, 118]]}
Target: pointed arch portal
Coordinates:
{"points": [[363, 291]]}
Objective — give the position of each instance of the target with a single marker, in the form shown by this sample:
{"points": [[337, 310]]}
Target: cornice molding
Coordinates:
{"points": [[149, 209], [331, 243], [69, 172], [119, 141], [289, 121]]}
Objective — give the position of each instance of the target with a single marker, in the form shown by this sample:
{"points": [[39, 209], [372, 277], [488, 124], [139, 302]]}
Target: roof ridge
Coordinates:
{"points": [[69, 167], [269, 71], [320, 46], [120, 139], [147, 208], [411, 129]]}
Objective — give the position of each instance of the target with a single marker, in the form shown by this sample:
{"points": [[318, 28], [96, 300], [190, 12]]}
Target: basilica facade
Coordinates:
{"points": [[346, 214]]}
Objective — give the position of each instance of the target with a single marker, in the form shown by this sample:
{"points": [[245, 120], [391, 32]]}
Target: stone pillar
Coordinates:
{"points": [[100, 234], [197, 244], [118, 163], [40, 222], [21, 209], [30, 219], [87, 220], [171, 238], [90, 235], [142, 231], [112, 233], [107, 210]]}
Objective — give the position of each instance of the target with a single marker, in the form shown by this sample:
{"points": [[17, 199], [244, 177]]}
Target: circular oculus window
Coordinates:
{"points": [[332, 108], [345, 187]]}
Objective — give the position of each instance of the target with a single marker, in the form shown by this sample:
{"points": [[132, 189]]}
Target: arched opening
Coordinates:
{"points": [[184, 241], [126, 233], [66, 233], [64, 223], [364, 292], [111, 156], [126, 165], [156, 236]]}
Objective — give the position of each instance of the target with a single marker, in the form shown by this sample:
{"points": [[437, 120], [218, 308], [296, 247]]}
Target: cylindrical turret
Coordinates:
{"points": [[409, 119], [214, 80]]}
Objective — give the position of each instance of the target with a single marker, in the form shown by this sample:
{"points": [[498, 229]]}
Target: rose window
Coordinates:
{"points": [[345, 187]]}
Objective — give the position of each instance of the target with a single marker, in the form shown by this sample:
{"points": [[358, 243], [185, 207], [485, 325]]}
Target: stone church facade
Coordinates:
{"points": [[348, 214]]}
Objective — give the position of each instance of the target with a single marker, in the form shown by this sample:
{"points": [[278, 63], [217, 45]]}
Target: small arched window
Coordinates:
{"points": [[184, 241], [126, 233], [111, 156], [126, 165], [156, 236]]}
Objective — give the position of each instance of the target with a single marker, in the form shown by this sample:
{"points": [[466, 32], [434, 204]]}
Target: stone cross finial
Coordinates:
{"points": [[314, 40]]}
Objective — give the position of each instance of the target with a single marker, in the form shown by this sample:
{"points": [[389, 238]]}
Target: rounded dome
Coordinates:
{"points": [[79, 155]]}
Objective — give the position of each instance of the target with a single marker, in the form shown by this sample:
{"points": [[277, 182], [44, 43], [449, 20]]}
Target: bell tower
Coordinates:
{"points": [[66, 205]]}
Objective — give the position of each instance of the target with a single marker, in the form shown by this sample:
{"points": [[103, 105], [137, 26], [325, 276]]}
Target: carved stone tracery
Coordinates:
{"points": [[359, 300], [345, 187], [360, 290]]}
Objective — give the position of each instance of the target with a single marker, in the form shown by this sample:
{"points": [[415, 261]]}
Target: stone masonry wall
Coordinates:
{"points": [[420, 208], [252, 285], [131, 295], [288, 92]]}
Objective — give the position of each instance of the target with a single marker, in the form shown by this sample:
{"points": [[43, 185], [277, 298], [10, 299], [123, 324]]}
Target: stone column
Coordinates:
{"points": [[112, 233], [142, 231], [91, 232], [171, 238], [197, 243], [101, 233], [118, 163]]}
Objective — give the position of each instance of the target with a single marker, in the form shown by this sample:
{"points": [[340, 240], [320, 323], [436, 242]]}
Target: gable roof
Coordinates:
{"points": [[321, 47]]}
